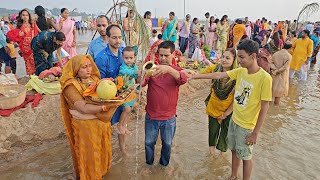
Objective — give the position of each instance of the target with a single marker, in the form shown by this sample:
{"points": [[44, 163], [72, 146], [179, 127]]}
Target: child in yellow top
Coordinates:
{"points": [[253, 92], [13, 56]]}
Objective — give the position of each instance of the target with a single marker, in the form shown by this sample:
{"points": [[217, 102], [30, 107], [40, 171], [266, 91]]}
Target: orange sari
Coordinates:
{"points": [[90, 139], [238, 31]]}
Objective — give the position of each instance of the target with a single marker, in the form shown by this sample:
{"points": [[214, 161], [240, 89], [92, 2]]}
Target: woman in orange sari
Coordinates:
{"points": [[153, 54], [23, 34], [87, 125]]}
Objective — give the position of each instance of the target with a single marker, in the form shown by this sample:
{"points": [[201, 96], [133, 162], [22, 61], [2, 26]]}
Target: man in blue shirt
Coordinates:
{"points": [[108, 62], [98, 44]]}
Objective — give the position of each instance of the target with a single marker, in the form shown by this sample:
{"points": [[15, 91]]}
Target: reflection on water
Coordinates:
{"points": [[288, 147]]}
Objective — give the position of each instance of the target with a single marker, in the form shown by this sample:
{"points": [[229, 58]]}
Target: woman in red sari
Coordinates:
{"points": [[23, 34], [153, 54]]}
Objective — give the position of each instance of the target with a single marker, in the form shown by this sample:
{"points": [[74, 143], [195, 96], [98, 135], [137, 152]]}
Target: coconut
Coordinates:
{"points": [[106, 89]]}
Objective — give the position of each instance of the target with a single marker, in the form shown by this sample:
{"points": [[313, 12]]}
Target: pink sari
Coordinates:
{"points": [[67, 29]]}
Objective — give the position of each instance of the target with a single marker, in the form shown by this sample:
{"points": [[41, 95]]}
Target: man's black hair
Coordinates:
{"points": [[60, 36], [110, 27], [249, 47], [104, 16], [287, 46], [307, 32], [167, 45]]}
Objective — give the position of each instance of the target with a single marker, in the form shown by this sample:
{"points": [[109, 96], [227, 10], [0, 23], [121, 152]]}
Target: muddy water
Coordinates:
{"points": [[288, 145]]}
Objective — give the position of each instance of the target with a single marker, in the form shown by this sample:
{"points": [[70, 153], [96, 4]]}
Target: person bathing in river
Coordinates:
{"points": [[219, 102], [280, 73], [253, 92]]}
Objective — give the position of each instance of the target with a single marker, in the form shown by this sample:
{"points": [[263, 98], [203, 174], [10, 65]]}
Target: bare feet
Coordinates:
{"points": [[72, 176], [122, 129], [233, 178], [115, 128], [222, 154], [125, 152], [127, 131], [169, 171], [212, 150], [146, 171]]}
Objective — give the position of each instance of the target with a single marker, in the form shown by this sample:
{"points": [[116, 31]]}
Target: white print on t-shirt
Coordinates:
{"points": [[243, 93]]}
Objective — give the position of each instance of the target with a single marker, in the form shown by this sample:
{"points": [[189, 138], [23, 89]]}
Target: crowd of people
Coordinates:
{"points": [[256, 62]]}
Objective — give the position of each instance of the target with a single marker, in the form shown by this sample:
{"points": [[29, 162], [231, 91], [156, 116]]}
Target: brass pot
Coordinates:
{"points": [[149, 68]]}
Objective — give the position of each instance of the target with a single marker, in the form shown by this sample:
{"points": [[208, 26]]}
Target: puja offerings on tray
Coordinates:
{"points": [[189, 64], [111, 90]]}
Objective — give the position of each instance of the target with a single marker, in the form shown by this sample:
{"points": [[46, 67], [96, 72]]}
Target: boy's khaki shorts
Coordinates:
{"points": [[237, 141]]}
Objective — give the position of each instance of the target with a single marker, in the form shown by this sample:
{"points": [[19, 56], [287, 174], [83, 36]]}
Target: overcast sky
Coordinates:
{"points": [[271, 9]]}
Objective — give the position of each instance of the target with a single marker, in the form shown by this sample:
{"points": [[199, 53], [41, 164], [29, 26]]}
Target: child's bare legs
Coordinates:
{"points": [[235, 165], [122, 143], [247, 168], [276, 100], [122, 125]]}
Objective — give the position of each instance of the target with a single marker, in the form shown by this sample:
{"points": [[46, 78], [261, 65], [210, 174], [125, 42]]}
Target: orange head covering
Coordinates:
{"points": [[71, 69]]}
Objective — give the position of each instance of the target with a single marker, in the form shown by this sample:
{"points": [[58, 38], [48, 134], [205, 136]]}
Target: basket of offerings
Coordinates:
{"points": [[111, 90], [12, 95]]}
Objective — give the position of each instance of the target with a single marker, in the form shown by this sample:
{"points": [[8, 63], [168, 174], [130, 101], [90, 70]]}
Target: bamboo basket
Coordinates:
{"points": [[14, 95]]}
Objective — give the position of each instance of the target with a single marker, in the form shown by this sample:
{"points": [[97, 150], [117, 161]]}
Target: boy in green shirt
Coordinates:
{"points": [[253, 92]]}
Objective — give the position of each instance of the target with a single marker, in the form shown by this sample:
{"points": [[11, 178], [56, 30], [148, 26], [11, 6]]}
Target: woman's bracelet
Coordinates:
{"points": [[104, 108]]}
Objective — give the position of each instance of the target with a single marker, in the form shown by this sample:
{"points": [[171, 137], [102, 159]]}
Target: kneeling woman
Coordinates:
{"points": [[87, 125], [219, 102]]}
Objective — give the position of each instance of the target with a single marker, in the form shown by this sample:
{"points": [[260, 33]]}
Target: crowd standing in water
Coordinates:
{"points": [[256, 62]]}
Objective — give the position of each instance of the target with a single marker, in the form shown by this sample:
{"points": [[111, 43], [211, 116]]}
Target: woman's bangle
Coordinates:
{"points": [[104, 108]]}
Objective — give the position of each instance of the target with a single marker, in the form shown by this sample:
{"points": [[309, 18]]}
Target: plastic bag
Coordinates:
{"points": [[197, 55], [63, 54]]}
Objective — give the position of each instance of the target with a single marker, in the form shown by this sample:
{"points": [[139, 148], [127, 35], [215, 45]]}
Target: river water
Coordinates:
{"points": [[288, 145]]}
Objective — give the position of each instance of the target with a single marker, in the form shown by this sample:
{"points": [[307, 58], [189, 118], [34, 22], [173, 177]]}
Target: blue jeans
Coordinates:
{"points": [[167, 129], [183, 44]]}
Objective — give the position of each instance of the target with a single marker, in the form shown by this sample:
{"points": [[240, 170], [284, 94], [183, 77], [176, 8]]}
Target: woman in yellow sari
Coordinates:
{"points": [[222, 32], [87, 125]]}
